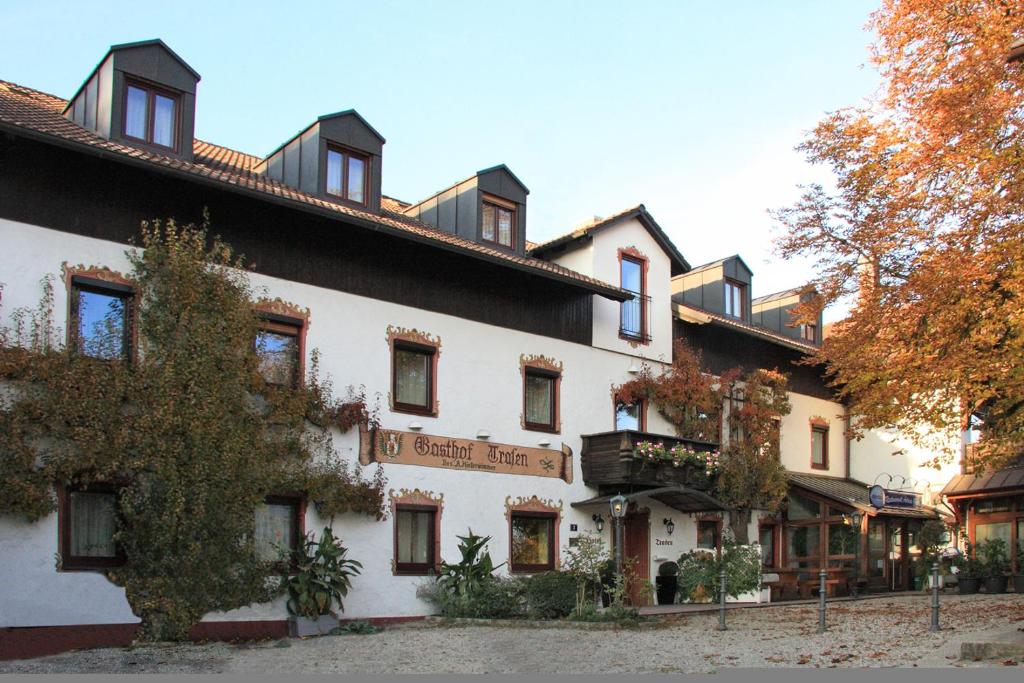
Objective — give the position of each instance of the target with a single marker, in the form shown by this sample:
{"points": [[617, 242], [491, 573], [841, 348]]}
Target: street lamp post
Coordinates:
{"points": [[618, 505]]}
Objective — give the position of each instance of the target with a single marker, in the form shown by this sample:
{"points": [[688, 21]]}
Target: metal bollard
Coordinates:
{"points": [[935, 597], [721, 600], [822, 575]]}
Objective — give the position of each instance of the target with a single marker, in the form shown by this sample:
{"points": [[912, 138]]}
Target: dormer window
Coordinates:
{"points": [[151, 115], [809, 333], [346, 176], [734, 295], [498, 222]]}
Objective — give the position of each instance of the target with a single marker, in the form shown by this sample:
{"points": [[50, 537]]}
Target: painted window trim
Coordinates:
{"points": [[69, 562], [400, 337], [537, 508], [151, 90], [416, 499], [347, 153], [507, 205], [103, 281], [414, 568], [552, 369], [821, 427], [633, 254]]}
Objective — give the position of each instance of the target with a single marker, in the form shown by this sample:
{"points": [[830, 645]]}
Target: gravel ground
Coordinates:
{"points": [[885, 632]]}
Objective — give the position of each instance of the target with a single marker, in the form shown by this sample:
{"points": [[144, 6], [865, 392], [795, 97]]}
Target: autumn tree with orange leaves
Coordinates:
{"points": [[925, 227]]}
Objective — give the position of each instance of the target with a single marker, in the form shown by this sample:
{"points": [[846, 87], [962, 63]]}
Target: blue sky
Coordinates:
{"points": [[691, 108]]}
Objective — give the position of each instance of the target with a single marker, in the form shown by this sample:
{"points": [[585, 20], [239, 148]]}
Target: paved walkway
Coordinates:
{"points": [[891, 631], [702, 608]]}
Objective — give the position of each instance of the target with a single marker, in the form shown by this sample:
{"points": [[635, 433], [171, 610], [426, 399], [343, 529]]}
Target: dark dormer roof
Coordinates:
{"points": [[582, 234], [503, 167], [128, 46], [719, 262]]}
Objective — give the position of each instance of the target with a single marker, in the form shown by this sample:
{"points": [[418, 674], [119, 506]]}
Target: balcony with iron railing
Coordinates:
{"points": [[635, 318]]}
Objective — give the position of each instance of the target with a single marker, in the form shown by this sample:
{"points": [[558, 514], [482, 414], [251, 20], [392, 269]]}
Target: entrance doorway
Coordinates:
{"points": [[636, 552], [892, 553]]}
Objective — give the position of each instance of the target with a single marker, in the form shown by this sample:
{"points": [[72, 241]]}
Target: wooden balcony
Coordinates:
{"points": [[607, 460]]}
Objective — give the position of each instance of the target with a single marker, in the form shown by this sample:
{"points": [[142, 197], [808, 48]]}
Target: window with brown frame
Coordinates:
{"points": [[766, 539], [809, 333], [415, 539], [88, 523], [709, 534], [101, 316], [347, 175], [279, 349], [498, 222], [532, 536], [412, 377], [151, 115], [279, 528], [540, 399], [633, 312], [735, 293], [819, 447], [631, 416]]}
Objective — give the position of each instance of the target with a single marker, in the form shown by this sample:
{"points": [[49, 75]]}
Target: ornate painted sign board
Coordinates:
{"points": [[426, 450]]}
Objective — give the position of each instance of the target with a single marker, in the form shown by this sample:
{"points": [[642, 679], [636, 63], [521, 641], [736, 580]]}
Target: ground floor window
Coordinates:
{"points": [[766, 538], [533, 541], [278, 528], [415, 539], [88, 525], [709, 534]]}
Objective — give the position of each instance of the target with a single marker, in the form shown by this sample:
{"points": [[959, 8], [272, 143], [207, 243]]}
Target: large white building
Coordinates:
{"points": [[493, 359]]}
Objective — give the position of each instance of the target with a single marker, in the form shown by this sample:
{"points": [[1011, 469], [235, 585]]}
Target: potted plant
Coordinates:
{"points": [[995, 562], [323, 576], [968, 570], [1018, 578], [667, 582]]}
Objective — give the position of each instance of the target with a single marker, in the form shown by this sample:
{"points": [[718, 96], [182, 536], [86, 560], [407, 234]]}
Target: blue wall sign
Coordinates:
{"points": [[881, 497]]}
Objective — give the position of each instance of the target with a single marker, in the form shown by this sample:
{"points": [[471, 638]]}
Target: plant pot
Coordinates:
{"points": [[1018, 583], [666, 589], [995, 584], [967, 586], [303, 627]]}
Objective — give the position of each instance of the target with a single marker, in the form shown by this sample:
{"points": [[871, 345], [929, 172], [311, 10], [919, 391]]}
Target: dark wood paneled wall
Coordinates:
{"points": [[86, 195]]}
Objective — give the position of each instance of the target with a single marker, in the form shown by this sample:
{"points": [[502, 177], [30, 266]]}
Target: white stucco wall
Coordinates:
{"points": [[795, 437], [479, 387]]}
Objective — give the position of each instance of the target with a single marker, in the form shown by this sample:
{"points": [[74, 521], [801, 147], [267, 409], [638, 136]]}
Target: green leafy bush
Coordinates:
{"points": [[323, 576], [699, 571], [551, 595], [698, 575], [993, 557], [494, 598]]}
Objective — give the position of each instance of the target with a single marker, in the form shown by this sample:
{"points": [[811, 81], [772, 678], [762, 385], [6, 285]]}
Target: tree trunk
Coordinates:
{"points": [[739, 519]]}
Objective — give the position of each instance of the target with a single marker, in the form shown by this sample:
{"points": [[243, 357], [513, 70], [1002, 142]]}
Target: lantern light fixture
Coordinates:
{"points": [[670, 526], [618, 506], [598, 522]]}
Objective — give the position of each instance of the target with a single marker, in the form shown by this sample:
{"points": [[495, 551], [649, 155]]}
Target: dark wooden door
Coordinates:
{"points": [[637, 553]]}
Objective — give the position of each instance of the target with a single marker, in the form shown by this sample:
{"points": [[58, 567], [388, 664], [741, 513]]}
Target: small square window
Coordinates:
{"points": [[533, 541], [415, 539], [89, 522], [151, 115], [809, 333], [709, 534], [279, 351], [413, 377], [629, 416], [497, 223], [540, 396], [278, 528], [347, 175], [101, 319]]}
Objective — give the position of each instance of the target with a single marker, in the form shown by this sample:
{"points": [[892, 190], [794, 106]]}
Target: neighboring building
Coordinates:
{"points": [[829, 517], [474, 340]]}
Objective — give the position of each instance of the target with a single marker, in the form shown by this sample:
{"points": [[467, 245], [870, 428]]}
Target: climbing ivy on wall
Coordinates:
{"points": [[188, 430]]}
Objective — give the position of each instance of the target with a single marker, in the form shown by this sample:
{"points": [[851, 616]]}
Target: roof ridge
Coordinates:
{"points": [[27, 109]]}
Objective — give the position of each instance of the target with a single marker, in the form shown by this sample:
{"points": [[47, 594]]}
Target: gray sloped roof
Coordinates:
{"points": [[852, 493], [999, 480]]}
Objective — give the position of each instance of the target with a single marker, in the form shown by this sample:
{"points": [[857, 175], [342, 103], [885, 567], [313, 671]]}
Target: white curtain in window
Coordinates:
{"points": [[488, 222], [274, 524], [412, 374], [414, 536], [356, 178], [538, 400], [163, 121], [505, 227], [135, 113], [92, 524]]}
